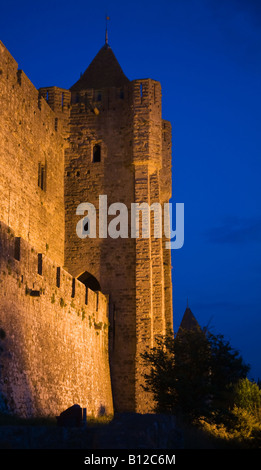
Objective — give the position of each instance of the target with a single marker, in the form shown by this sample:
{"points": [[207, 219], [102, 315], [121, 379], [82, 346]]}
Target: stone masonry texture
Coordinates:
{"points": [[77, 313]]}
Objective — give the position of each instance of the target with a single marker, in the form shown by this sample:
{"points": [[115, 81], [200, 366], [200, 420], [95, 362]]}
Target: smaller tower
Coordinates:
{"points": [[189, 321]]}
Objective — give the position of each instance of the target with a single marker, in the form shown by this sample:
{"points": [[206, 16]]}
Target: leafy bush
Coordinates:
{"points": [[248, 397]]}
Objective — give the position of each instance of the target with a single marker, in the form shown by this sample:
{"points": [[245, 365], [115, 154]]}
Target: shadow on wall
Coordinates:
{"points": [[102, 410], [3, 399], [16, 397]]}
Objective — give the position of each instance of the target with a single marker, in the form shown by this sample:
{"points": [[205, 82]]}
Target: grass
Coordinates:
{"points": [[13, 420], [194, 436], [99, 421]]}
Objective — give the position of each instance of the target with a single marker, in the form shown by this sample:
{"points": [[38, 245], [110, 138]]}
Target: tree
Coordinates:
{"points": [[159, 381], [193, 373], [248, 397], [192, 357], [227, 368]]}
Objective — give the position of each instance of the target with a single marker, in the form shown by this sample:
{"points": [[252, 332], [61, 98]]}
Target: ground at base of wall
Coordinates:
{"points": [[124, 431]]}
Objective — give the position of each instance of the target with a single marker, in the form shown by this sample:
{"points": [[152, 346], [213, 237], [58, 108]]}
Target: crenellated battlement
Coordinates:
{"points": [[17, 86], [147, 124], [57, 331], [147, 93], [39, 276]]}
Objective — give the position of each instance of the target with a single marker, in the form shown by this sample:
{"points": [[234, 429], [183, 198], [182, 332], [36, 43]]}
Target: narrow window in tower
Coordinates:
{"points": [[42, 175], [19, 77], [47, 96], [73, 287], [122, 94], [17, 248], [58, 276], [40, 263], [62, 99], [96, 153], [56, 124]]}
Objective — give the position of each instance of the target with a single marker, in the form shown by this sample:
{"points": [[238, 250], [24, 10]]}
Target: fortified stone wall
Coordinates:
{"points": [[54, 336], [116, 145], [31, 162]]}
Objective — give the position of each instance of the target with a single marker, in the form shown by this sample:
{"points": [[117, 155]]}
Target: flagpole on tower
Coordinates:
{"points": [[106, 31]]}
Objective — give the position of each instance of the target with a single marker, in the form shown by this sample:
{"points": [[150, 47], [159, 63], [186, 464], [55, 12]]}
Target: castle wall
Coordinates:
{"points": [[55, 342], [31, 162], [57, 356]]}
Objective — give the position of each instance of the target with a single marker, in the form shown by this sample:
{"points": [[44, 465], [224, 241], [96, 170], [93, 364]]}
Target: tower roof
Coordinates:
{"points": [[188, 321], [104, 71]]}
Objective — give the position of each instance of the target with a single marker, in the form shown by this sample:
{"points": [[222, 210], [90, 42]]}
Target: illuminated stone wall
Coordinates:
{"points": [[105, 120], [153, 265], [135, 166], [30, 136], [58, 130], [55, 344]]}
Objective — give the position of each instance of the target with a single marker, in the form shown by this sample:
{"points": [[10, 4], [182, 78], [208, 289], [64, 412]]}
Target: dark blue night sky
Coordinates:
{"points": [[207, 56]]}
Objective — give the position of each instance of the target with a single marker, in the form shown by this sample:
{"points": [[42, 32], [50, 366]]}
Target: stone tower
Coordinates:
{"points": [[120, 147]]}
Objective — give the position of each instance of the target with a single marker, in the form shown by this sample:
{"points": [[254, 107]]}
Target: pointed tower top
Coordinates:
{"points": [[188, 322], [103, 72]]}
